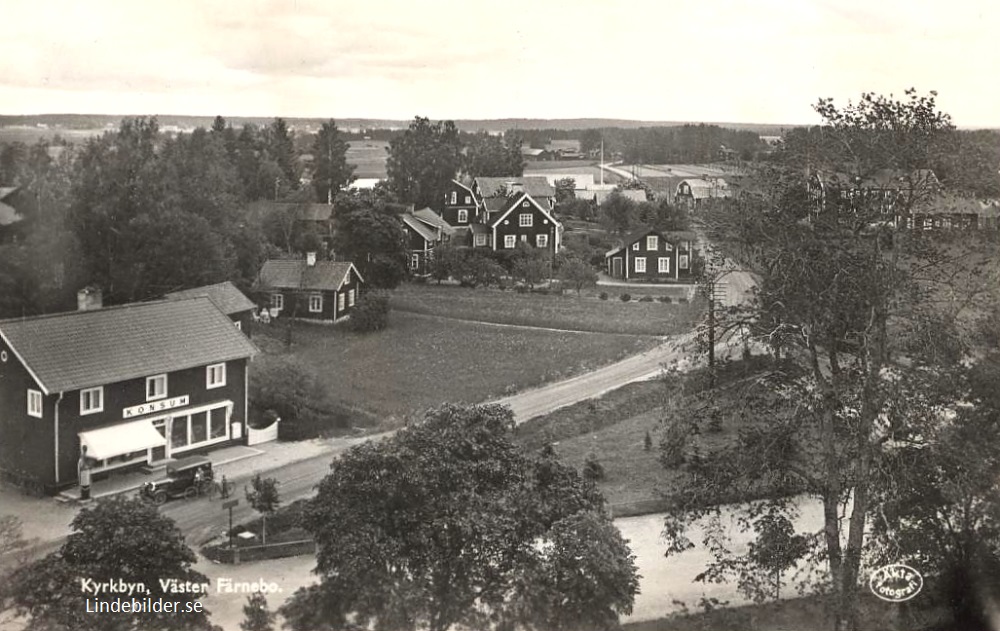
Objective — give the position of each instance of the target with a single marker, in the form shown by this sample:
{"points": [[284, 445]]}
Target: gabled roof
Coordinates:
{"points": [[82, 349], [515, 201], [534, 185], [643, 231], [298, 274], [8, 214], [5, 191], [420, 228], [702, 189], [495, 204], [225, 296], [433, 219]]}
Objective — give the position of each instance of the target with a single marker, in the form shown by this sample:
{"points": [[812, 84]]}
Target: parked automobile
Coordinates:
{"points": [[186, 477]]}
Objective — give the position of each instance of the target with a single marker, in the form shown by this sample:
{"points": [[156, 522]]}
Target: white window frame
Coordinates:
{"points": [[350, 297], [663, 265], [454, 198], [635, 246], [35, 403], [414, 260], [99, 391], [315, 303], [652, 243], [542, 240], [525, 220], [510, 240], [480, 239], [640, 264], [239, 325], [683, 262], [463, 215], [162, 394], [278, 301], [468, 200], [340, 301], [215, 376]]}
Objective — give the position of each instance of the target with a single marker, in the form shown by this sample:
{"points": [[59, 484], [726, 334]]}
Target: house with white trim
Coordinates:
{"points": [[126, 386]]}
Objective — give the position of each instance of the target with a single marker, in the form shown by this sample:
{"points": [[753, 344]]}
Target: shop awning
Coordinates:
{"points": [[116, 440]]}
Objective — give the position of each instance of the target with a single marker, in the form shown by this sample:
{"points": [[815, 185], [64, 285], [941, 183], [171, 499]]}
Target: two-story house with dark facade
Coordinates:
{"points": [[521, 219], [653, 256], [128, 386], [461, 207]]}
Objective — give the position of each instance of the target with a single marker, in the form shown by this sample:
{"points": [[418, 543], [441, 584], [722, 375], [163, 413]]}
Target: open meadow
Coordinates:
{"points": [[368, 156], [585, 312], [423, 361]]}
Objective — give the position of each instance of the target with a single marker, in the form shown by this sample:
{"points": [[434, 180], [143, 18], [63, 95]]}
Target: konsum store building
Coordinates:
{"points": [[134, 384]]}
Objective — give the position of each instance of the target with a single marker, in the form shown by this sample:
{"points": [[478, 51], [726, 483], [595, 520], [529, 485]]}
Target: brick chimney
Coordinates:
{"points": [[89, 298]]}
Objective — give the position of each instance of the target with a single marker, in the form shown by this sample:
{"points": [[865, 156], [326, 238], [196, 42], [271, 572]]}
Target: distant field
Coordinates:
{"points": [[679, 170], [368, 156], [568, 311], [31, 135], [421, 362], [566, 167]]}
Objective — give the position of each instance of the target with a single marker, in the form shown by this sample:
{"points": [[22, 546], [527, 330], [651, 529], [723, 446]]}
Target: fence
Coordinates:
{"points": [[224, 554], [266, 435]]}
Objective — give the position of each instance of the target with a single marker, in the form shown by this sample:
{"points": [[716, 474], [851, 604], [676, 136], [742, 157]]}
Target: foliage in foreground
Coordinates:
{"points": [[370, 314], [448, 523], [122, 539], [883, 379]]}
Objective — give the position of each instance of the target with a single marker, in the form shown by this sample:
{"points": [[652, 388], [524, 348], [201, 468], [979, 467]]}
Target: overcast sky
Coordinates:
{"points": [[764, 61]]}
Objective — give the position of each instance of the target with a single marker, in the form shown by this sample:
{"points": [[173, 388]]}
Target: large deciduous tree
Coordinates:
{"points": [[373, 239], [422, 162], [118, 540], [330, 169], [866, 314], [448, 524], [491, 156]]}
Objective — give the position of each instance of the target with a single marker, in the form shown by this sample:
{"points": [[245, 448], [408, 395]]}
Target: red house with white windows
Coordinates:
{"points": [[127, 386], [653, 256], [461, 207], [309, 289], [520, 219]]}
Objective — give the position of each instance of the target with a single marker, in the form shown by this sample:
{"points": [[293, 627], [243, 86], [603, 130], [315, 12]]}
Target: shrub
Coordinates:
{"points": [[370, 314], [665, 299], [521, 289], [646, 299], [682, 301], [603, 295], [625, 297], [593, 470]]}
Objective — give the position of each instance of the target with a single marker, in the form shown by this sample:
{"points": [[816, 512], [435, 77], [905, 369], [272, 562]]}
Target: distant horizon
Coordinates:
{"points": [[653, 62]]}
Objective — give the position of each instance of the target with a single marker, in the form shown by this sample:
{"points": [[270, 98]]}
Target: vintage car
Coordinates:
{"points": [[186, 477]]}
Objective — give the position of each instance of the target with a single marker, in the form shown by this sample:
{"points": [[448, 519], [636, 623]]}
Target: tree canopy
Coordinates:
{"points": [[487, 155], [330, 169], [867, 315], [121, 539], [448, 523], [423, 161]]}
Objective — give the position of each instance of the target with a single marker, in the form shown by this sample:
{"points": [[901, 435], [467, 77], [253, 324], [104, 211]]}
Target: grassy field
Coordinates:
{"points": [[31, 135], [368, 156], [567, 311], [614, 427], [421, 362]]}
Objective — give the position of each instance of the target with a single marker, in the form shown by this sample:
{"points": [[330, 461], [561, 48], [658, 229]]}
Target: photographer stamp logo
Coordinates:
{"points": [[896, 583]]}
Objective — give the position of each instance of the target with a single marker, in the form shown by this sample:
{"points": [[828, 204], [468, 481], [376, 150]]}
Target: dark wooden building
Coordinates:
{"points": [[653, 256], [134, 384], [229, 300], [308, 288]]}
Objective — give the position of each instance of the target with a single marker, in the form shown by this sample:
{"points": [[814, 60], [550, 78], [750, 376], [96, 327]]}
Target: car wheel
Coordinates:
{"points": [[190, 492], [160, 498]]}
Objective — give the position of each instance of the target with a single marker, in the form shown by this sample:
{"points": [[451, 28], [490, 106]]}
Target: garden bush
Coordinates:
{"points": [[603, 295], [665, 299], [646, 299], [370, 314], [593, 470], [625, 297]]}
